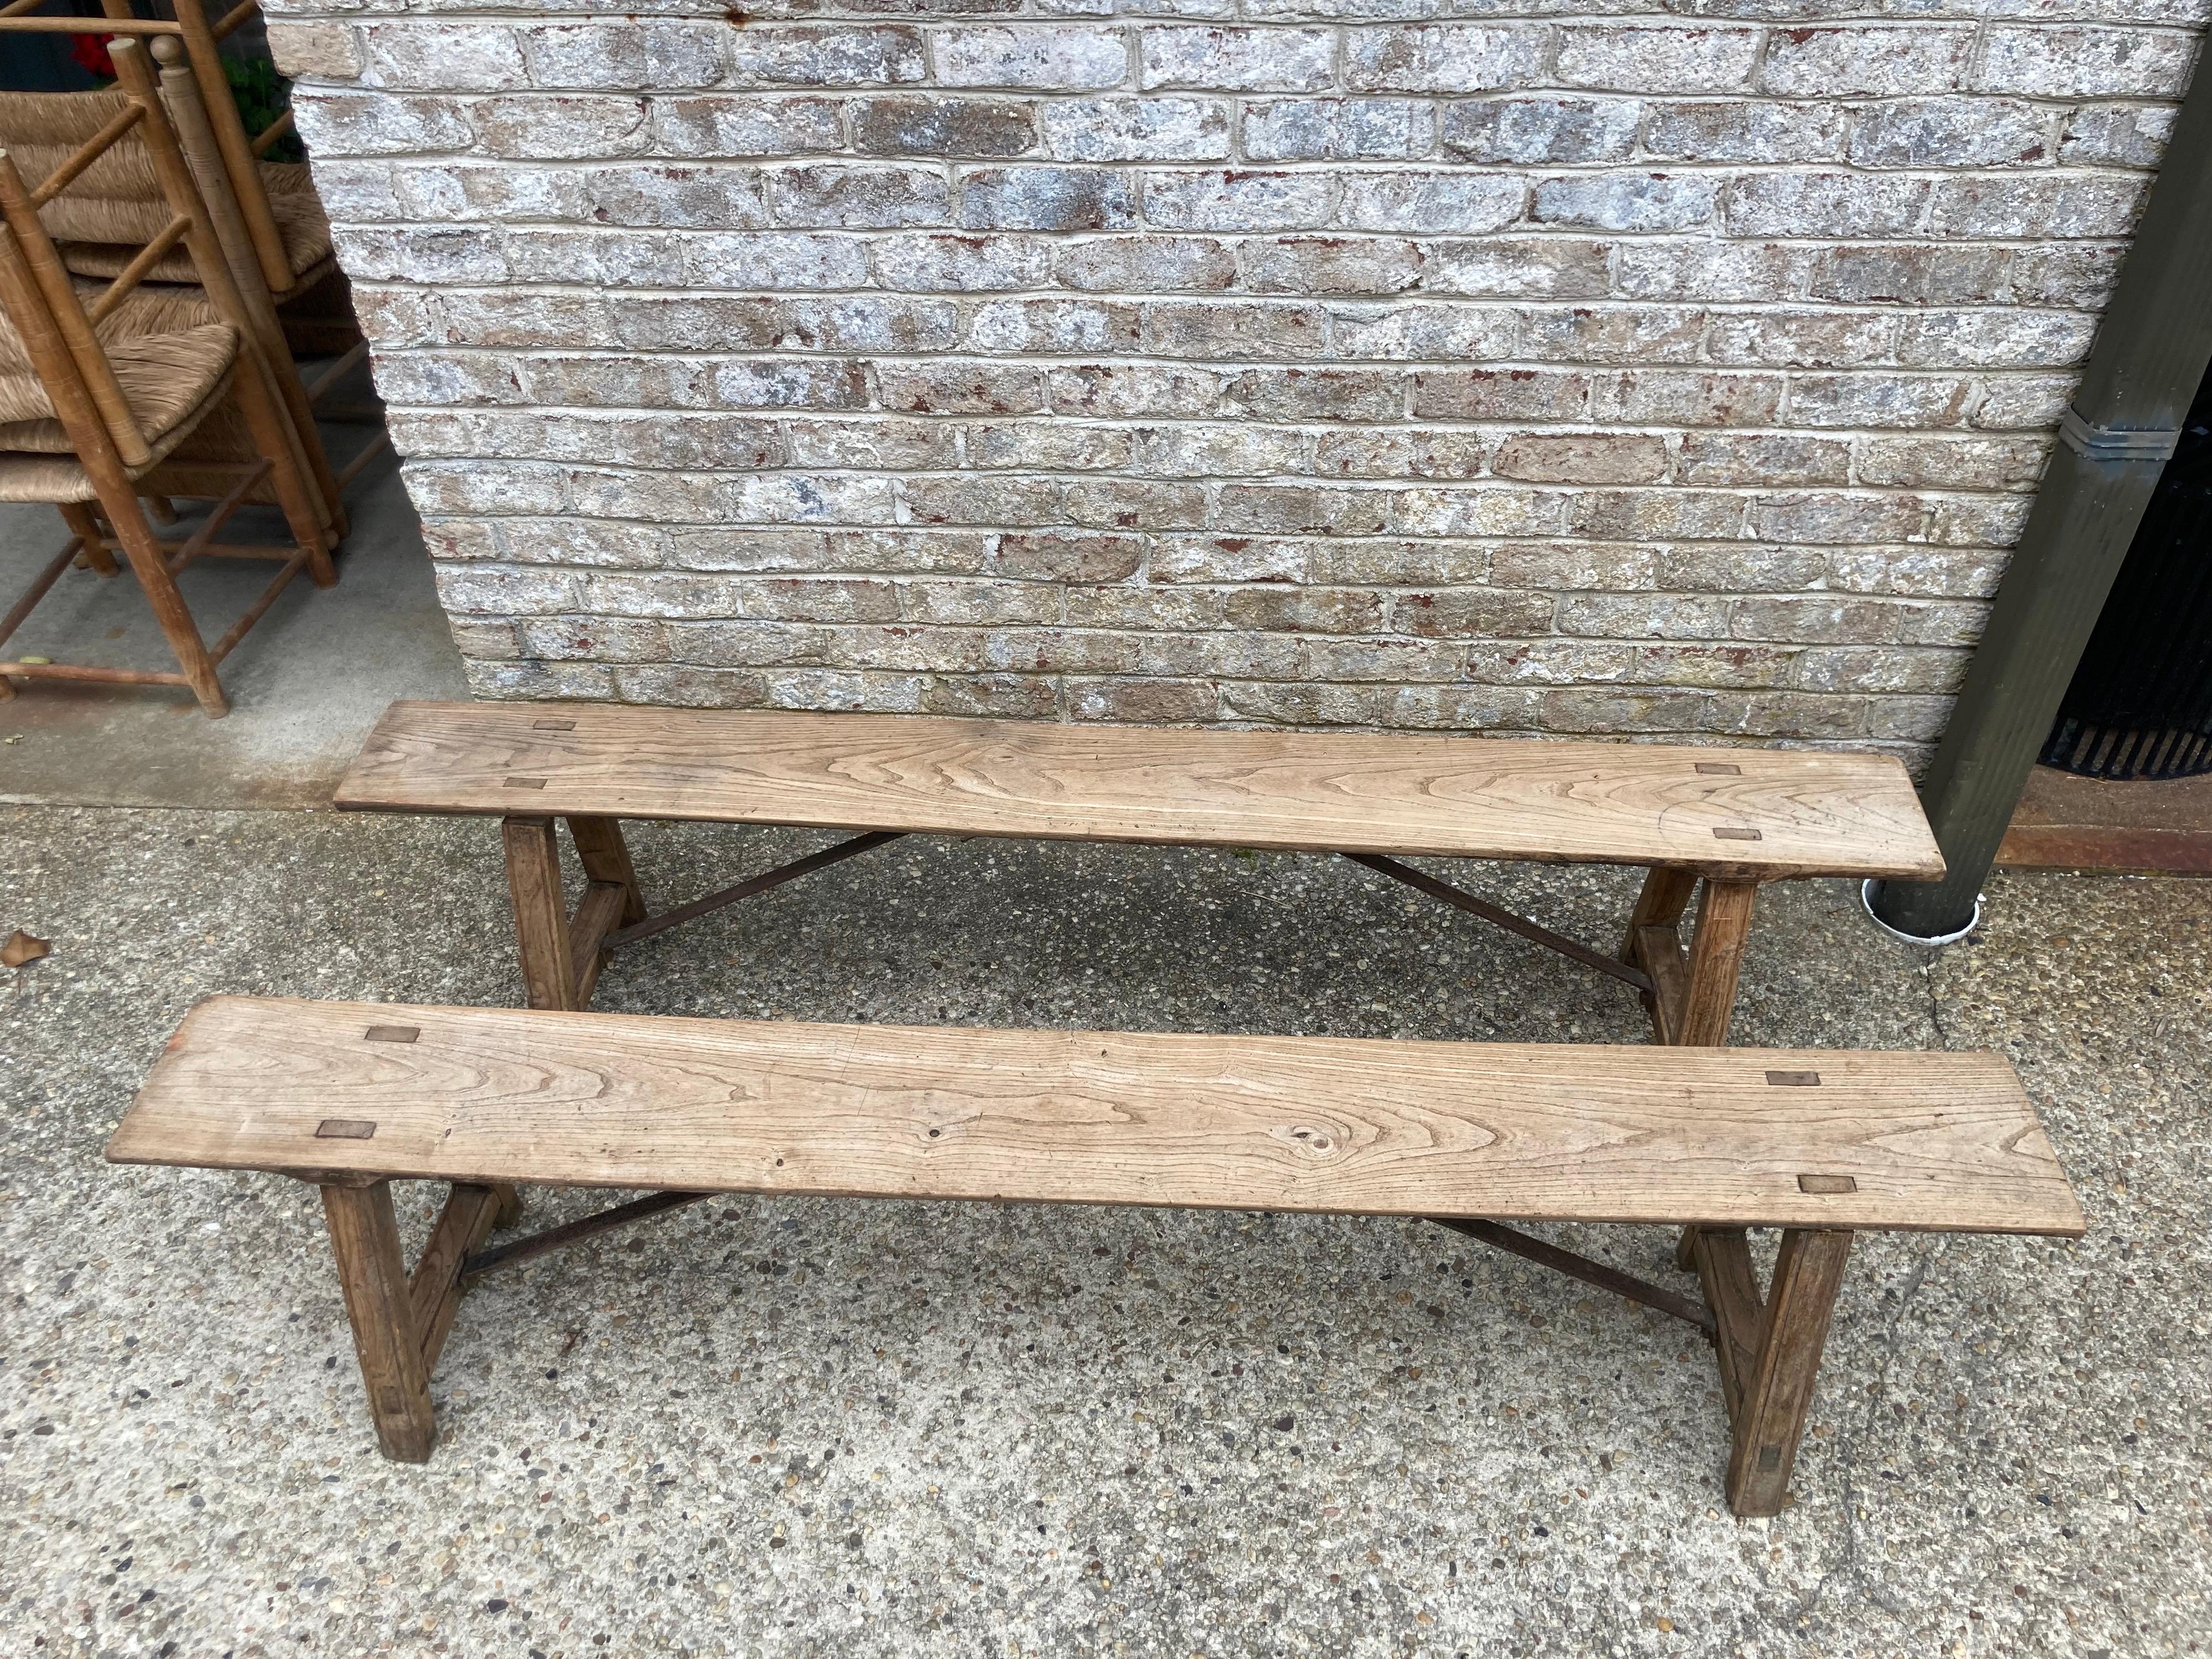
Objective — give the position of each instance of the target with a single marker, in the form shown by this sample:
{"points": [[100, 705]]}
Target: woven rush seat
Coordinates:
{"points": [[117, 207], [301, 224], [204, 460], [171, 382]]}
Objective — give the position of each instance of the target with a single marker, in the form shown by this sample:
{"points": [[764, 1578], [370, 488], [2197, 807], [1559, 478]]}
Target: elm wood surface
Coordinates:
{"points": [[1944, 1141], [1814, 813]]}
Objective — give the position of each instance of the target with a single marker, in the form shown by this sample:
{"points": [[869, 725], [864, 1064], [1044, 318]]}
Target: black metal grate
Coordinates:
{"points": [[2140, 702]]}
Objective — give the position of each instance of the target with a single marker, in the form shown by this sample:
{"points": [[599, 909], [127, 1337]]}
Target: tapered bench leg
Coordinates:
{"points": [[561, 955], [1693, 998], [1770, 1352], [365, 1239], [1724, 910], [541, 912]]}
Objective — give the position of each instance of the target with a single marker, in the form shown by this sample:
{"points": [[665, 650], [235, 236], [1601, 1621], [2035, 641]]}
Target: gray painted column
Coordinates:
{"points": [[2143, 373]]}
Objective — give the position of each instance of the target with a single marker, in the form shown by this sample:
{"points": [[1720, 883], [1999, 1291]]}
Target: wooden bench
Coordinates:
{"points": [[1729, 817], [354, 1095]]}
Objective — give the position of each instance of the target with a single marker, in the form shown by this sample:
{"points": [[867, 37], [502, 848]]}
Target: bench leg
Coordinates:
{"points": [[433, 1291], [1769, 1351], [612, 900], [541, 912], [1724, 910], [606, 858], [1654, 944], [1694, 997], [365, 1239]]}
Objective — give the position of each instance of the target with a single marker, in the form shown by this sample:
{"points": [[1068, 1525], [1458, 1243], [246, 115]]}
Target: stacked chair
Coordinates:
{"points": [[284, 226], [144, 356]]}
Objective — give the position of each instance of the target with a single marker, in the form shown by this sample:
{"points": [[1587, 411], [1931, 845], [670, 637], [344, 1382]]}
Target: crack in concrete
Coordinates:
{"points": [[1850, 1569]]}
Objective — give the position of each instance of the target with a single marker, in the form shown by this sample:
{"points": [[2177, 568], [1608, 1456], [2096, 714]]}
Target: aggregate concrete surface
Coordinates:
{"points": [[809, 1427]]}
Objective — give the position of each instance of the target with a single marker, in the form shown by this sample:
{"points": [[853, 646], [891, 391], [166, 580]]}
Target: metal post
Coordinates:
{"points": [[2149, 358]]}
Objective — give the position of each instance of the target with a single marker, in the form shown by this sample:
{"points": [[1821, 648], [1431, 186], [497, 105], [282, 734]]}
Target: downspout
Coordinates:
{"points": [[2143, 372]]}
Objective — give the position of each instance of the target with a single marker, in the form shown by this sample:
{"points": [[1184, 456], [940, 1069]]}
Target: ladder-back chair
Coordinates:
{"points": [[288, 244], [92, 417], [118, 207]]}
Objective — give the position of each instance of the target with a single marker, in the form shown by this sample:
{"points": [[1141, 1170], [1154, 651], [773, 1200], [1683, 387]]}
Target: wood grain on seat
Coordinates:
{"points": [[1746, 813], [1720, 1137]]}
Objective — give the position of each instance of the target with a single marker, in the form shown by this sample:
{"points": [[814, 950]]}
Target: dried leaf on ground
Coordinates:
{"points": [[21, 947]]}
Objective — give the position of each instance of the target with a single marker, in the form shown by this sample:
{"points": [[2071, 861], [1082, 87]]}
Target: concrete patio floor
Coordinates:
{"points": [[803, 1427]]}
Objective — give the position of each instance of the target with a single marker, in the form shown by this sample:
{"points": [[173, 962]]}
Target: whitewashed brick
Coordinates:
{"points": [[1952, 132], [383, 124], [1534, 130], [1827, 204], [1147, 264], [314, 51], [1881, 60], [827, 55], [2116, 135], [1214, 59], [1442, 58], [558, 128], [1236, 200], [1630, 57], [1313, 363], [934, 125], [710, 125], [2074, 62], [1046, 198], [638, 55], [1136, 130], [1625, 201], [1055, 58], [443, 57], [1730, 129], [1444, 202], [1339, 129]]}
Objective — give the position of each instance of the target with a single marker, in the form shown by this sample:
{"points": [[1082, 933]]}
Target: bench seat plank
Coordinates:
{"points": [[1555, 1132], [1779, 813]]}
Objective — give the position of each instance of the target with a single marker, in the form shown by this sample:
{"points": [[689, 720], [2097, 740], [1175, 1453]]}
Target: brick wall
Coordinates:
{"points": [[1321, 364]]}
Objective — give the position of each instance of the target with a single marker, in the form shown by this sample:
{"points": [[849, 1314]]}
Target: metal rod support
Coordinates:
{"points": [[1590, 1273], [1505, 919], [553, 1238], [747, 889]]}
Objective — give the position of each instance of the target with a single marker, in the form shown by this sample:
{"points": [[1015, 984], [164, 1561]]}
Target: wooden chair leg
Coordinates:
{"points": [[84, 524], [276, 439], [541, 912], [151, 568], [365, 1240], [606, 858], [1778, 1393]]}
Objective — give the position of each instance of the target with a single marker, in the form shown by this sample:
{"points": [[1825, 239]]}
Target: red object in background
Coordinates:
{"points": [[90, 51]]}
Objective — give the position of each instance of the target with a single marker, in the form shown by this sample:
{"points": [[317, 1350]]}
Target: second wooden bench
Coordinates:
{"points": [[1728, 818], [1821, 1144]]}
